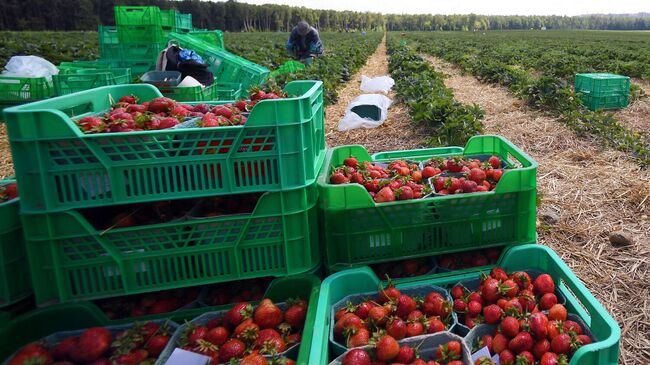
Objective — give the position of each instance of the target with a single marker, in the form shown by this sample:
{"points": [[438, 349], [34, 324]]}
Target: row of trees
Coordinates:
{"points": [[235, 16]]}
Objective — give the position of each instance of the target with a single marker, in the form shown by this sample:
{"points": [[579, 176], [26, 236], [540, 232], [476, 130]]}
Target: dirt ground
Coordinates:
{"points": [[592, 191]]}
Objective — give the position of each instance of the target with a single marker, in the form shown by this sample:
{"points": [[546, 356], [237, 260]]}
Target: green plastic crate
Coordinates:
{"points": [[194, 93], [279, 238], [137, 15], [140, 34], [138, 68], [147, 52], [604, 102], [15, 284], [534, 257], [183, 22], [73, 316], [602, 84], [107, 35], [225, 66], [220, 91], [282, 146], [74, 66], [16, 90], [168, 19], [89, 79], [358, 231], [288, 67], [212, 37]]}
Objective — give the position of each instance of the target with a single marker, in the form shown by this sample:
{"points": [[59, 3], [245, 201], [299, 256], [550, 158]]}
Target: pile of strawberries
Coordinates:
{"points": [[544, 339], [8, 192], [127, 115], [140, 344], [242, 331], [398, 181], [387, 351], [402, 268], [500, 294], [146, 304], [393, 313], [476, 176], [468, 259]]}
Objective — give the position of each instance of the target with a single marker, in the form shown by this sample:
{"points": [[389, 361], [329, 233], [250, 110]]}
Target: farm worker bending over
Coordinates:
{"points": [[304, 43]]}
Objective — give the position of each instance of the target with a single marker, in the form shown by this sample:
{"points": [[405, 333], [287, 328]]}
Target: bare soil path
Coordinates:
{"points": [[592, 191], [6, 164], [397, 132]]}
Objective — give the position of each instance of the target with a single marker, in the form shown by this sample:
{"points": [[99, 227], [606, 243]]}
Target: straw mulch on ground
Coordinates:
{"points": [[397, 132], [6, 165], [593, 191]]}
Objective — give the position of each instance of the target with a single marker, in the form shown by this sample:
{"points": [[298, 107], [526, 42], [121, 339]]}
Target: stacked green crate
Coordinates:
{"points": [[603, 90], [74, 80], [214, 37], [278, 152], [141, 33]]}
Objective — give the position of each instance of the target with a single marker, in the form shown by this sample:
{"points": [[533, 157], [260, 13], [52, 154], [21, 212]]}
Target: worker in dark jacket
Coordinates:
{"points": [[304, 43]]}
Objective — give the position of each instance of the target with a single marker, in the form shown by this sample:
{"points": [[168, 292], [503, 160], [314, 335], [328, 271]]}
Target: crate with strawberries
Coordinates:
{"points": [[15, 283], [125, 144], [137, 343], [529, 308], [382, 207], [145, 247]]}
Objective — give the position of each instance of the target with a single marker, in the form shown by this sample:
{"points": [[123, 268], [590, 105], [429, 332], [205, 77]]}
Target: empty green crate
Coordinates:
{"points": [[73, 66], [142, 52], [89, 79], [605, 102], [17, 90], [107, 35], [137, 15], [138, 68], [14, 274], [580, 301], [42, 322], [288, 67], [212, 37], [168, 19], [225, 66], [602, 84], [183, 22], [228, 91], [140, 34], [282, 146], [358, 231], [279, 238]]}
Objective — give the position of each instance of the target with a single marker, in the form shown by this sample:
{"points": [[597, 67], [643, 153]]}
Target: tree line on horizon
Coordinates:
{"points": [[236, 17]]}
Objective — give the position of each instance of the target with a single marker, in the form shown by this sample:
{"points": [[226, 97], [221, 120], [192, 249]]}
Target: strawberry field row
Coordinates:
{"points": [[549, 92], [430, 103]]}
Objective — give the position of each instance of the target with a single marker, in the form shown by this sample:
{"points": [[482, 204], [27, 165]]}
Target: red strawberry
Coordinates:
{"points": [[509, 288], [499, 342], [339, 178], [405, 355], [460, 306], [544, 284], [415, 328], [356, 357], [357, 337], [241, 105], [198, 333], [522, 279], [525, 358], [233, 349], [541, 347], [378, 315], [405, 305], [477, 175], [351, 162], [238, 313], [547, 301], [523, 341], [458, 291], [129, 99], [161, 105], [495, 162], [510, 326], [363, 309], [217, 335], [557, 312], [404, 193], [554, 328], [222, 111], [389, 293], [246, 331], [549, 358], [449, 351], [386, 349], [396, 328], [92, 344], [584, 339], [435, 325], [63, 348], [92, 124], [474, 308], [506, 358], [295, 315], [166, 123], [492, 314], [561, 344], [498, 273], [538, 325], [486, 341], [156, 344], [496, 175], [268, 315], [270, 342], [386, 194], [179, 111], [490, 290]]}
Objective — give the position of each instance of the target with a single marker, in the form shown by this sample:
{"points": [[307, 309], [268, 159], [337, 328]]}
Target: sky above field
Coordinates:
{"points": [[484, 7]]}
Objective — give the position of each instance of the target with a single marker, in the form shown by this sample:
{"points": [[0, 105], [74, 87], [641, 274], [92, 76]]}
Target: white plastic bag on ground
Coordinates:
{"points": [[377, 84], [352, 120], [29, 66]]}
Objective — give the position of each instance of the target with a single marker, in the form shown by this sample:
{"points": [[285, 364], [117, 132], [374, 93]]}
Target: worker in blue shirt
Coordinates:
{"points": [[304, 43]]}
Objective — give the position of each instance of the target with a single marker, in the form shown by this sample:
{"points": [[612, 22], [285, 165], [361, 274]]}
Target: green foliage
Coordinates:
{"points": [[431, 104], [539, 68], [55, 47]]}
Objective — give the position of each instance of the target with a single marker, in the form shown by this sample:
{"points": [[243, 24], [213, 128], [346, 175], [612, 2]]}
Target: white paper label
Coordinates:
{"points": [[183, 357]]}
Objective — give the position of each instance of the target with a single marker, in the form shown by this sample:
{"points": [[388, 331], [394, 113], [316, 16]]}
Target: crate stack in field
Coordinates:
{"points": [[603, 90], [63, 172]]}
